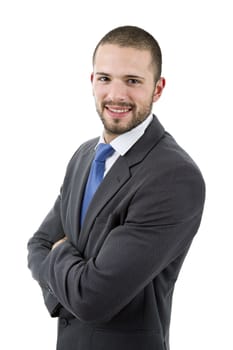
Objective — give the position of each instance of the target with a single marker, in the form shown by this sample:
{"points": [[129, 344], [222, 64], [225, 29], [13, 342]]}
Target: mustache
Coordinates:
{"points": [[117, 103]]}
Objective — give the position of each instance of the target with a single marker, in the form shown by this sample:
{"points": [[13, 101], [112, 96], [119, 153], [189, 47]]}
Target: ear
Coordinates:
{"points": [[92, 77], [160, 85]]}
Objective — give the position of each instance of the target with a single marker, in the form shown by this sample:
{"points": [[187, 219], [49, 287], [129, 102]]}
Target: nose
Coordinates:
{"points": [[117, 91]]}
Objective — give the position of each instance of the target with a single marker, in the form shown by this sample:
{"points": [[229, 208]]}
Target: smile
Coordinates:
{"points": [[119, 110]]}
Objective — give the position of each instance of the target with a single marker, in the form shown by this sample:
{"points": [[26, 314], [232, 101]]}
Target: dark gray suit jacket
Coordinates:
{"points": [[111, 282]]}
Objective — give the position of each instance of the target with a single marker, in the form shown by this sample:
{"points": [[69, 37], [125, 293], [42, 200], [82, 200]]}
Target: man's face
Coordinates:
{"points": [[123, 87]]}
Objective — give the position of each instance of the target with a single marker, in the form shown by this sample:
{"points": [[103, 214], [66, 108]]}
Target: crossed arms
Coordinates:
{"points": [[158, 228]]}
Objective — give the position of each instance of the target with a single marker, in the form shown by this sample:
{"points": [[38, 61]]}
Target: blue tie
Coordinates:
{"points": [[96, 175]]}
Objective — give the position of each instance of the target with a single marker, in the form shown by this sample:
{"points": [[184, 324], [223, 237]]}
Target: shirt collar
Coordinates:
{"points": [[124, 142]]}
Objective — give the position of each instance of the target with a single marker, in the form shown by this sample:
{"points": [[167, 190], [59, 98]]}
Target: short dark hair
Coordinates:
{"points": [[135, 37]]}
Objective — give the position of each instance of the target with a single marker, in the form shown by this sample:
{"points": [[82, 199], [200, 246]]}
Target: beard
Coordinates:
{"points": [[117, 126]]}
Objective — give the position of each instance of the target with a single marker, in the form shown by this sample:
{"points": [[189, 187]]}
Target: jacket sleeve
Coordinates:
{"points": [[39, 247], [160, 224]]}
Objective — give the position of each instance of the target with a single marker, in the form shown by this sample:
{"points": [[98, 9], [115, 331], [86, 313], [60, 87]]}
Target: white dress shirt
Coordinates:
{"points": [[124, 142]]}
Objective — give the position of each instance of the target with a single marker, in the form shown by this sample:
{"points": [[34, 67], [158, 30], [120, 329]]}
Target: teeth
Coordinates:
{"points": [[119, 110]]}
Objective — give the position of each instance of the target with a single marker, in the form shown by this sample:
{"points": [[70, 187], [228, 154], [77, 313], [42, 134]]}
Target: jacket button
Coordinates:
{"points": [[63, 322]]}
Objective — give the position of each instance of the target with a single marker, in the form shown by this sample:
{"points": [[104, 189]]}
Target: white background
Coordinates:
{"points": [[47, 110]]}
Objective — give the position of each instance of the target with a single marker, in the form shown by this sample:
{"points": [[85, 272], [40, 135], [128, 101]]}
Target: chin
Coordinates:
{"points": [[117, 128]]}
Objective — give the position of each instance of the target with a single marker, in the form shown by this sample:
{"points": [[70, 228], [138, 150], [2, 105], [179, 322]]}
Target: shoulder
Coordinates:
{"points": [[169, 186], [177, 174], [170, 169], [169, 156], [83, 149], [82, 152]]}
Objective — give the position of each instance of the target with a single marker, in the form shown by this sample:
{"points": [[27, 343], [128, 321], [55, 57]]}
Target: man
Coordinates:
{"points": [[107, 262]]}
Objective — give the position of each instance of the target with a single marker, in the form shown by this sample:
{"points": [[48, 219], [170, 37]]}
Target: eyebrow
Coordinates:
{"points": [[102, 73], [126, 76]]}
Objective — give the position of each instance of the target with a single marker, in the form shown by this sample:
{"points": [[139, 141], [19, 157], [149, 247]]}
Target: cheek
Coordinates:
{"points": [[140, 97], [99, 92]]}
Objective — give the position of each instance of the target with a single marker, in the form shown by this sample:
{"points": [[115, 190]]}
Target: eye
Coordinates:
{"points": [[103, 79], [133, 81]]}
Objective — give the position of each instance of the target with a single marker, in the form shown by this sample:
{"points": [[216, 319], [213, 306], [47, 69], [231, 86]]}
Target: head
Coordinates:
{"points": [[126, 78]]}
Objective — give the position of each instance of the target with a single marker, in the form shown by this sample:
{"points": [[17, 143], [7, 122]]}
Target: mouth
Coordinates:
{"points": [[118, 111]]}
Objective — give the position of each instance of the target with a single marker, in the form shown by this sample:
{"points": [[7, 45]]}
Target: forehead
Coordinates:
{"points": [[114, 57]]}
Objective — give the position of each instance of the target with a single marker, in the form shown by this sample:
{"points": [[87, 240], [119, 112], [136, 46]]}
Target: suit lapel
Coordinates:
{"points": [[118, 175], [110, 185], [80, 171]]}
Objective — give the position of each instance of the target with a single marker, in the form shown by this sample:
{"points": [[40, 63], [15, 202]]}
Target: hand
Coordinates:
{"points": [[59, 242]]}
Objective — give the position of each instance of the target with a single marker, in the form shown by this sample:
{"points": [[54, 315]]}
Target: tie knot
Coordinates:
{"points": [[104, 150]]}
